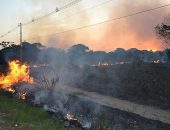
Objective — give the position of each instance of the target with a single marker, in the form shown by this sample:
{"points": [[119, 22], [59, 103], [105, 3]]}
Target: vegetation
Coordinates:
{"points": [[77, 55], [19, 115], [163, 32], [145, 84]]}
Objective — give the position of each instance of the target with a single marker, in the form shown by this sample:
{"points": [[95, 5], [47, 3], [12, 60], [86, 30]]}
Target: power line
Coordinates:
{"points": [[53, 12], [114, 19], [87, 9], [10, 31], [44, 16], [87, 26], [70, 4]]}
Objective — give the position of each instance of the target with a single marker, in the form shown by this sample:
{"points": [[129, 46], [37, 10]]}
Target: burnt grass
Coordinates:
{"points": [[106, 118], [144, 84]]}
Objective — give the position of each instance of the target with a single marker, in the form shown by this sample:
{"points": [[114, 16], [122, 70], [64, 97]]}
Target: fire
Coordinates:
{"points": [[122, 63], [156, 62], [69, 116], [100, 64], [22, 95], [17, 73], [40, 65]]}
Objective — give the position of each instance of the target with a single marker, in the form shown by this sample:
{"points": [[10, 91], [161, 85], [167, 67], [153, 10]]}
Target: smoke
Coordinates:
{"points": [[55, 81], [52, 87], [132, 32], [46, 30], [135, 31]]}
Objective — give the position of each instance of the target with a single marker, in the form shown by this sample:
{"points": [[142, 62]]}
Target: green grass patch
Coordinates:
{"points": [[20, 115]]}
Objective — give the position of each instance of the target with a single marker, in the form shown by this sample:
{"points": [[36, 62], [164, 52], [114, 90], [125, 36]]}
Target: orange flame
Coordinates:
{"points": [[17, 73]]}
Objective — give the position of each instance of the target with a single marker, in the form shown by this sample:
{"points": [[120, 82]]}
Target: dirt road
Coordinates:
{"points": [[148, 112]]}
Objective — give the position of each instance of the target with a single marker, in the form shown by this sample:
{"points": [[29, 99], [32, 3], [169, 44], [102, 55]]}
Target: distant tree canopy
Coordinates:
{"points": [[30, 52], [5, 44], [79, 48], [77, 55]]}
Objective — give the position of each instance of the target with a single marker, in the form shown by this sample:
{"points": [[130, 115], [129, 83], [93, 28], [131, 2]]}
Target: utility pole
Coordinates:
{"points": [[20, 25]]}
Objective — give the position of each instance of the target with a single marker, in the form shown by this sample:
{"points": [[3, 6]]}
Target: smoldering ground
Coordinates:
{"points": [[57, 71]]}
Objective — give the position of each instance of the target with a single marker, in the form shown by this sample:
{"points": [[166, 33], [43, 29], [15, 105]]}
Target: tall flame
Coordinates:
{"points": [[17, 73]]}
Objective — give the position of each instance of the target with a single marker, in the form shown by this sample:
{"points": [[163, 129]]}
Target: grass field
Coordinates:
{"points": [[19, 115]]}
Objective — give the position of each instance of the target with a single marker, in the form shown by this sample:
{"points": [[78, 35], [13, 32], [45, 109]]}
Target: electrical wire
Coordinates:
{"points": [[86, 26], [114, 19], [53, 12], [10, 31], [44, 16], [87, 9]]}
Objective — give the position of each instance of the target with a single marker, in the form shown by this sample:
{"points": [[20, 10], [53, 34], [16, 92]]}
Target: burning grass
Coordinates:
{"points": [[19, 115], [17, 73]]}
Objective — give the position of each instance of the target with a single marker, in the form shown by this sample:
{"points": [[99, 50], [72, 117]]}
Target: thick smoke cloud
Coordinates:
{"points": [[136, 31]]}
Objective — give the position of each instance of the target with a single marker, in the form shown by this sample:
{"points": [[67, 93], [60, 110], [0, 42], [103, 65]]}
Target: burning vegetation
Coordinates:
{"points": [[105, 64], [52, 79], [17, 73]]}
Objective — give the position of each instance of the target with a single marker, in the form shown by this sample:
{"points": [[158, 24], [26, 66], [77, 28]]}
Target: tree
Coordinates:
{"points": [[5, 44], [79, 48], [163, 32], [77, 54]]}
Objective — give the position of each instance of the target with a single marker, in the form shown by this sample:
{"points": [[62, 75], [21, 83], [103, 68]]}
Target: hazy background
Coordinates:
{"points": [[133, 32]]}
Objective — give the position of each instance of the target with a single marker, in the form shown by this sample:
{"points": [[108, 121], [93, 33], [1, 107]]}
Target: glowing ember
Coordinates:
{"points": [[40, 65], [156, 62], [17, 73], [22, 96], [100, 64], [70, 117]]}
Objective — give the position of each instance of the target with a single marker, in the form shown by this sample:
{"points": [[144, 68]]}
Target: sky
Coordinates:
{"points": [[132, 32]]}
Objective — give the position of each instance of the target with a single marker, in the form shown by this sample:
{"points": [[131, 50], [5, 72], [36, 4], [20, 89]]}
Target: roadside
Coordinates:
{"points": [[145, 111], [147, 84]]}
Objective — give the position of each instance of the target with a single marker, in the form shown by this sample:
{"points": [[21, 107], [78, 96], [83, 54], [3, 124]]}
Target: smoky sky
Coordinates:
{"points": [[136, 31], [144, 24], [131, 32]]}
